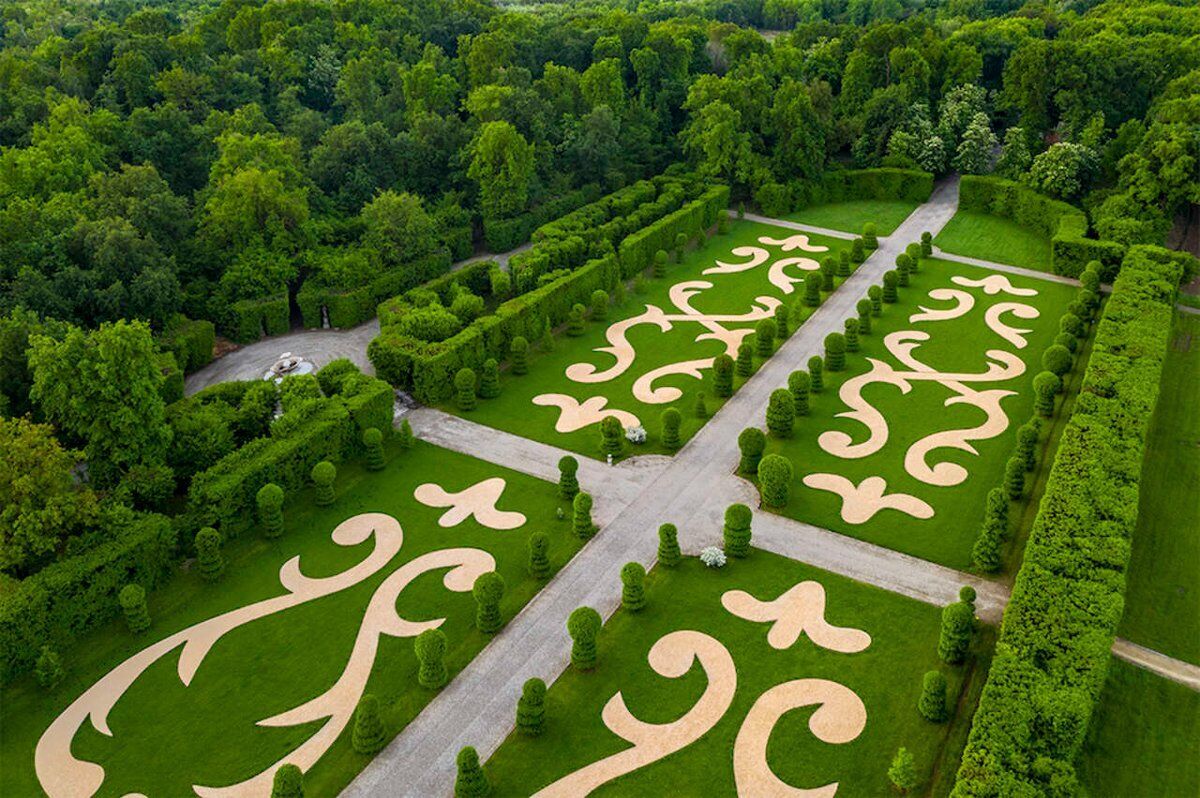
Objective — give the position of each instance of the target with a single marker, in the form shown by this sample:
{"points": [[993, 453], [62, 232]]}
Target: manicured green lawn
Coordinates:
{"points": [[994, 238], [1143, 737], [168, 737], [1162, 601], [886, 676], [957, 345], [851, 216], [730, 293]]}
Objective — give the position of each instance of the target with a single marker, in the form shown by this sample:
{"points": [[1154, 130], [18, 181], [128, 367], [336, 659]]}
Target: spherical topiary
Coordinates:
{"points": [[368, 736], [531, 708], [1068, 341], [736, 531], [967, 595], [812, 290], [700, 407], [430, 648], [799, 383], [48, 670], [132, 599], [288, 782], [1070, 323], [851, 327], [372, 440], [745, 361], [489, 379], [1014, 478], [858, 250], [583, 626], [954, 640], [323, 475], [751, 442], [581, 516], [270, 509], [835, 351], [612, 436], [1090, 277], [575, 320], [671, 419], [471, 782], [764, 338], [1057, 360], [723, 376], [1045, 388], [781, 323], [599, 305], [209, 562], [875, 297], [843, 265], [539, 555], [406, 437], [464, 389], [518, 355], [781, 413], [816, 373], [568, 483], [864, 316], [668, 546], [891, 281], [633, 586], [870, 238], [488, 590], [660, 263], [932, 704], [775, 479]]}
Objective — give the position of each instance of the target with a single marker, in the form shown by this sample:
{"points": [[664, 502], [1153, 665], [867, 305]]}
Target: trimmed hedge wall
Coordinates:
{"points": [[502, 235], [637, 250], [250, 318], [777, 199], [351, 308], [190, 341], [71, 596], [1053, 652]]}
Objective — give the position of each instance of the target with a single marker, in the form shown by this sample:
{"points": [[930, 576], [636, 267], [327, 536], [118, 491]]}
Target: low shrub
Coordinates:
{"points": [[539, 555], [781, 413], [323, 475], [488, 590], [751, 443], [531, 708], [568, 482], [430, 648], [583, 626], [932, 704], [736, 532], [581, 516], [633, 586], [774, 480], [669, 555], [368, 736], [133, 604]]}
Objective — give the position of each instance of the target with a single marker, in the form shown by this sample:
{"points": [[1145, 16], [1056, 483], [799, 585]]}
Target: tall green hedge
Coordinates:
{"points": [[349, 308], [638, 248], [1053, 651], [840, 185], [191, 342], [250, 319], [502, 235]]}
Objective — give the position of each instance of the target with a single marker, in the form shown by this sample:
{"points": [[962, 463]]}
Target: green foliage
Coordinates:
{"points": [[633, 586], [869, 237], [799, 383], [575, 325], [464, 389], [736, 532], [369, 736], [133, 605], [851, 336], [471, 781], [864, 316], [926, 244], [209, 562], [488, 590], [489, 380], [775, 474], [781, 324], [891, 281], [932, 704], [958, 626], [723, 367], [904, 266], [518, 353], [612, 436], [430, 648], [48, 671], [583, 625], [843, 265], [751, 443], [700, 407], [812, 291], [568, 483], [373, 444], [858, 250], [288, 782], [875, 296], [835, 352], [903, 771], [531, 708], [1014, 478], [1046, 386], [660, 263], [671, 419], [324, 474], [781, 413], [764, 338], [599, 305], [816, 371], [270, 510], [828, 267], [539, 555], [669, 555], [745, 361], [1057, 360], [581, 516]]}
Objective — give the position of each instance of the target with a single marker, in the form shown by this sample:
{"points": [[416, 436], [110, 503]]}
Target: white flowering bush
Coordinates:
{"points": [[712, 556], [635, 434]]}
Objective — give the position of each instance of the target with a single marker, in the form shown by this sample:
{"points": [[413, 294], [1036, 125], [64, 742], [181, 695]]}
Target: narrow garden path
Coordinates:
{"points": [[1004, 267], [807, 228]]}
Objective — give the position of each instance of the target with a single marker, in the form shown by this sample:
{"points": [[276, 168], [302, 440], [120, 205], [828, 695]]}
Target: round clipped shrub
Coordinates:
{"points": [[843, 264], [612, 436], [932, 704], [851, 326], [858, 250], [799, 383], [671, 419], [270, 509], [812, 290], [633, 586], [406, 436], [464, 389], [488, 590], [132, 599], [470, 782], [891, 281], [668, 546], [870, 237], [518, 355], [1046, 386], [875, 297], [372, 440], [660, 263], [864, 316], [774, 480], [575, 320], [781, 413], [323, 475], [581, 516], [903, 268], [1057, 360], [954, 639], [816, 371], [700, 407], [48, 670], [599, 305], [764, 338], [1014, 478], [835, 352], [736, 531], [489, 379], [781, 323], [1090, 277], [368, 736], [209, 562], [751, 443], [967, 595], [539, 555], [568, 483], [745, 361], [913, 250], [828, 268], [583, 626], [288, 782], [531, 708], [723, 376], [926, 244], [1068, 341], [546, 342], [1089, 301], [430, 648], [1070, 323]]}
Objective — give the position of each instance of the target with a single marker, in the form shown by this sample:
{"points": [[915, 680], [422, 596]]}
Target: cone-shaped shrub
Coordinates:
{"points": [[489, 379], [858, 251], [270, 509], [323, 475], [288, 782], [406, 436], [568, 483], [470, 781], [599, 305], [668, 546], [812, 290], [464, 389], [843, 265], [775, 480], [736, 531], [700, 407], [851, 326], [209, 562], [1045, 387], [954, 640], [932, 704], [368, 736], [132, 599], [891, 281], [575, 320], [875, 296], [633, 586], [671, 419], [546, 342], [870, 238], [781, 413], [660, 263], [723, 376], [518, 355], [903, 772], [835, 351], [372, 440], [583, 626], [745, 361], [581, 516], [1028, 437], [488, 590], [1014, 478], [816, 372], [612, 436], [531, 708], [751, 443], [430, 647], [539, 555], [799, 384], [764, 338], [864, 316], [781, 323], [985, 554]]}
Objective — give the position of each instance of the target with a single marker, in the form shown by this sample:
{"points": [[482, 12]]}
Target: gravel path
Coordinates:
{"points": [[1004, 267], [807, 228]]}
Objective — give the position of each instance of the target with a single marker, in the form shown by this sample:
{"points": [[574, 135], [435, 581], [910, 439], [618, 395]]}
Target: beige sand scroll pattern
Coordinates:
{"points": [[800, 610], [946, 474], [63, 776], [993, 284], [963, 304], [672, 656], [797, 241], [861, 502], [839, 718], [1013, 335], [337, 704], [757, 255], [479, 501], [618, 346], [574, 415]]}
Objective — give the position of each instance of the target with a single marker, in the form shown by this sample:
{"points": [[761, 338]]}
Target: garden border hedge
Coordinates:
{"points": [[349, 308], [251, 318], [839, 185]]}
